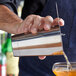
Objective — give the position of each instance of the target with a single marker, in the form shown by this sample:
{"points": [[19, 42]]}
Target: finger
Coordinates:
{"points": [[61, 22], [28, 23], [36, 24], [42, 57], [41, 26], [48, 20], [58, 21]]}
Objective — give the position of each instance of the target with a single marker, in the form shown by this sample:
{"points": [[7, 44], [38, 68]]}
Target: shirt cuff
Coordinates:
{"points": [[9, 4], [5, 1]]}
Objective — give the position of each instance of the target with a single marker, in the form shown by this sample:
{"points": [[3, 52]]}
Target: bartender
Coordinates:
{"points": [[10, 22]]}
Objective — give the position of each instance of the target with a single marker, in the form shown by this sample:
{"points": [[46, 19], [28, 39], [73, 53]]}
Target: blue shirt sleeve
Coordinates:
{"points": [[10, 4], [4, 1]]}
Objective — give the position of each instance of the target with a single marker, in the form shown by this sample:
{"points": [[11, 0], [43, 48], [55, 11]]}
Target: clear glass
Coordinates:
{"points": [[60, 69]]}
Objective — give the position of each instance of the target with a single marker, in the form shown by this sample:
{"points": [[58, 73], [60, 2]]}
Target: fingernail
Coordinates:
{"points": [[47, 27], [34, 30], [61, 22]]}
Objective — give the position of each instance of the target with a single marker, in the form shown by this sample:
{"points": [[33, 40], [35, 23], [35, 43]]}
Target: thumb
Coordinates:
{"points": [[42, 57]]}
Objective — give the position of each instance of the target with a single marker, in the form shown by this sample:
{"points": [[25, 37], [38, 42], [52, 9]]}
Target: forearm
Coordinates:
{"points": [[9, 21]]}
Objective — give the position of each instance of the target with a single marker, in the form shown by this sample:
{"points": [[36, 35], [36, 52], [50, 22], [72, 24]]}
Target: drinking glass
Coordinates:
{"points": [[60, 69]]}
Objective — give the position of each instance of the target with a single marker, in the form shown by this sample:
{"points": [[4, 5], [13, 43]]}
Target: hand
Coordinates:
{"points": [[34, 23]]}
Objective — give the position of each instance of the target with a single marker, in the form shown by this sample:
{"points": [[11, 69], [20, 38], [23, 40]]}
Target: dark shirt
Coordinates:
{"points": [[12, 4], [32, 66], [30, 6], [33, 7]]}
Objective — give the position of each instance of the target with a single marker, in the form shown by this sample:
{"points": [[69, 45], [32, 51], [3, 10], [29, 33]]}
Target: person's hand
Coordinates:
{"points": [[34, 23]]}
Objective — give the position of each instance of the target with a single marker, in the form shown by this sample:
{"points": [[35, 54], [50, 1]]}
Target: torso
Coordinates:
{"points": [[32, 65]]}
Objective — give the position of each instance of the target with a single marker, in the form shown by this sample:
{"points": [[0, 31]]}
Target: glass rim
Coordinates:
{"points": [[62, 64]]}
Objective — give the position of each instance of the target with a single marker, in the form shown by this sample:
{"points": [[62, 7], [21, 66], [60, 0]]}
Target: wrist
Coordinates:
{"points": [[17, 27]]}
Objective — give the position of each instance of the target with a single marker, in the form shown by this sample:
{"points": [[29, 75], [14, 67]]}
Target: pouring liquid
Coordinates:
{"points": [[68, 70], [69, 66]]}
